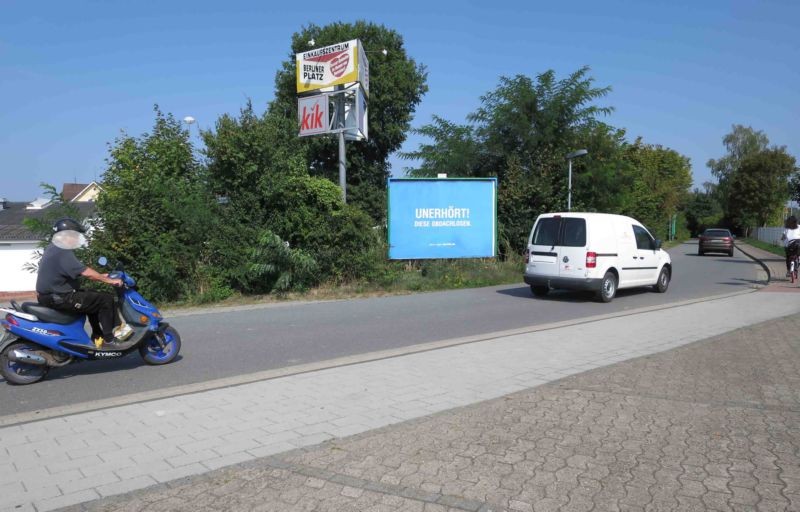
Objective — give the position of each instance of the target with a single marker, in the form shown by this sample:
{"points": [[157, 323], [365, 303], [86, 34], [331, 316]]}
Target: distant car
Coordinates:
{"points": [[715, 240]]}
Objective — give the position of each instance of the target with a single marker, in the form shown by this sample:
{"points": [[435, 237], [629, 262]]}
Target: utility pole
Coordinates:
{"points": [[342, 153]]}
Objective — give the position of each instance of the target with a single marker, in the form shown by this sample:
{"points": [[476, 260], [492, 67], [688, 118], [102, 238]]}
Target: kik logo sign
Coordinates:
{"points": [[313, 114], [312, 120]]}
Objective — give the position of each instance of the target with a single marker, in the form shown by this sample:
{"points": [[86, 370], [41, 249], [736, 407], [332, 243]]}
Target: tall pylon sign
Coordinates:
{"points": [[332, 96]]}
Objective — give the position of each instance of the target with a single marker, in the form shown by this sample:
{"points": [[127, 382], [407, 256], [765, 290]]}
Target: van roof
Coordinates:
{"points": [[585, 215]]}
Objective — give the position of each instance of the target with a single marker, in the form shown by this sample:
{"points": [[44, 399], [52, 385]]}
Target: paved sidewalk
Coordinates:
{"points": [[83, 457], [714, 425]]}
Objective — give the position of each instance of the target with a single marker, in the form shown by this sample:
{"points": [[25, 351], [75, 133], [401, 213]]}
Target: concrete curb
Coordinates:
{"points": [[760, 262]]}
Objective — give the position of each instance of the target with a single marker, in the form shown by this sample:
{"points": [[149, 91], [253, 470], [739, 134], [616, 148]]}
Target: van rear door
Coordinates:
{"points": [[572, 248], [542, 248]]}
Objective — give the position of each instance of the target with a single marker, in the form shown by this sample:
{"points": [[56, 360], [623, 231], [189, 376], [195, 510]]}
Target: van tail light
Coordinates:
{"points": [[591, 260], [527, 256]]}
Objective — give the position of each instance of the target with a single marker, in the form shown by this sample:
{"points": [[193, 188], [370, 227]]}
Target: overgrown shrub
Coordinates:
{"points": [[308, 212], [281, 268], [155, 212]]}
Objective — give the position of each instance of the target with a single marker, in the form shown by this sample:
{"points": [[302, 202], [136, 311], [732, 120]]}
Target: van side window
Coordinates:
{"points": [[574, 234], [643, 239], [546, 232]]}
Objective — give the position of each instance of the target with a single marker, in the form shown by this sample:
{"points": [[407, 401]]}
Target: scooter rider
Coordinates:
{"points": [[57, 284]]}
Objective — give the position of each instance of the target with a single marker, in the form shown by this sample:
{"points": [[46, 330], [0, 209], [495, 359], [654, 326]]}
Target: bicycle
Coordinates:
{"points": [[794, 263]]}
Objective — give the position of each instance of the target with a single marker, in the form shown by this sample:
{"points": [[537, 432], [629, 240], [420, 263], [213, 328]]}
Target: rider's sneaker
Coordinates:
{"points": [[123, 332]]}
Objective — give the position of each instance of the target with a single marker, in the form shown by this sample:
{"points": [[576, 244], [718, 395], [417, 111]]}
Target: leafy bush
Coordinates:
{"points": [[308, 212], [155, 211], [281, 268], [209, 286]]}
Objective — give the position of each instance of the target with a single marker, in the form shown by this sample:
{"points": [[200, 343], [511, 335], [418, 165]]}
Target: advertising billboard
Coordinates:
{"points": [[442, 218], [337, 64], [313, 115]]}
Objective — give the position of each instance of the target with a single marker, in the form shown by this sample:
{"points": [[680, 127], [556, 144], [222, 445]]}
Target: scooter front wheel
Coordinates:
{"points": [[20, 373], [153, 353]]}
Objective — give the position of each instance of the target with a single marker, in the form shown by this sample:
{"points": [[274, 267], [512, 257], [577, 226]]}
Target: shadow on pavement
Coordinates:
{"points": [[734, 260], [130, 362], [707, 255], [524, 292]]}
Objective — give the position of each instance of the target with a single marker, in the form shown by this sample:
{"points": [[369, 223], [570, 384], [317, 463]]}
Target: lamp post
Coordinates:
{"points": [[570, 156], [189, 120]]}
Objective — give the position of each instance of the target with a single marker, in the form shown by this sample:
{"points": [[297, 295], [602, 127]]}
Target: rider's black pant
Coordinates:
{"points": [[99, 307], [789, 255]]}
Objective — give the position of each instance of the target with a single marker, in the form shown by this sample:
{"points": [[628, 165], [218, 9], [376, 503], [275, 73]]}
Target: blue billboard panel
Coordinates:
{"points": [[442, 218]]}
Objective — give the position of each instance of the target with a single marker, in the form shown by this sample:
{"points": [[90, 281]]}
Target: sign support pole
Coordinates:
{"points": [[342, 153]]}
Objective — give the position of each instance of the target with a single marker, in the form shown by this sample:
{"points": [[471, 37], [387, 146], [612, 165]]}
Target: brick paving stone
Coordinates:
{"points": [[710, 426]]}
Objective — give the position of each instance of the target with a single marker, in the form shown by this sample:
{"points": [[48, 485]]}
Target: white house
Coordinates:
{"points": [[18, 245]]}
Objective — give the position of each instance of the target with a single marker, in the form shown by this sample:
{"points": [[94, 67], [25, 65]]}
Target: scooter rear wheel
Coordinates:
{"points": [[21, 373], [151, 350]]}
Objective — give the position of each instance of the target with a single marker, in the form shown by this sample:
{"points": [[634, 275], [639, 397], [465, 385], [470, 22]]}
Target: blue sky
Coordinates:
{"points": [[73, 74]]}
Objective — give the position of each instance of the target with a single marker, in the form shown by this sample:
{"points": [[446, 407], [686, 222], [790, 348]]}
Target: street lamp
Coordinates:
{"points": [[574, 154], [189, 120]]}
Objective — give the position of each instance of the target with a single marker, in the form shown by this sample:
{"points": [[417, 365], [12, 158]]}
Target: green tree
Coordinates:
{"points": [[661, 185], [155, 213], [702, 211], [397, 84], [454, 150], [521, 134], [246, 156], [760, 186], [741, 142], [603, 179], [539, 121]]}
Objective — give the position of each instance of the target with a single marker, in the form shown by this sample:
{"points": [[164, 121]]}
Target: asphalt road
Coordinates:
{"points": [[234, 343]]}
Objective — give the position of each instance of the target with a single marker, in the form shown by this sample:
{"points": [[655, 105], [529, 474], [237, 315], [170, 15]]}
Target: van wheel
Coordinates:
{"points": [[539, 291], [663, 281], [608, 288]]}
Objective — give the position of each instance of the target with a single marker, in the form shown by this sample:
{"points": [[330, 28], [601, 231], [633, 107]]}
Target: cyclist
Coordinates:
{"points": [[791, 241]]}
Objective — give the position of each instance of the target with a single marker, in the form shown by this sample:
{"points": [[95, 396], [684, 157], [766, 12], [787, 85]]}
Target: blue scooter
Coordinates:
{"points": [[36, 338]]}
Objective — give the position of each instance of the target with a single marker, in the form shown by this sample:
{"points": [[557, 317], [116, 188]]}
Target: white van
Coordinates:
{"points": [[594, 251]]}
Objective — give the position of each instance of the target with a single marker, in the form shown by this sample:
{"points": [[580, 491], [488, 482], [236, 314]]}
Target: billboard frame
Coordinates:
{"points": [[495, 242]]}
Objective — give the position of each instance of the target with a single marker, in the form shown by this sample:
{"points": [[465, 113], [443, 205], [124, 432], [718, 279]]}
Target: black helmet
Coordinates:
{"points": [[67, 223]]}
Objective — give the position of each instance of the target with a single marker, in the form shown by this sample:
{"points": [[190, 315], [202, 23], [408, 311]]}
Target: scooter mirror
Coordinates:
{"points": [[102, 261]]}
